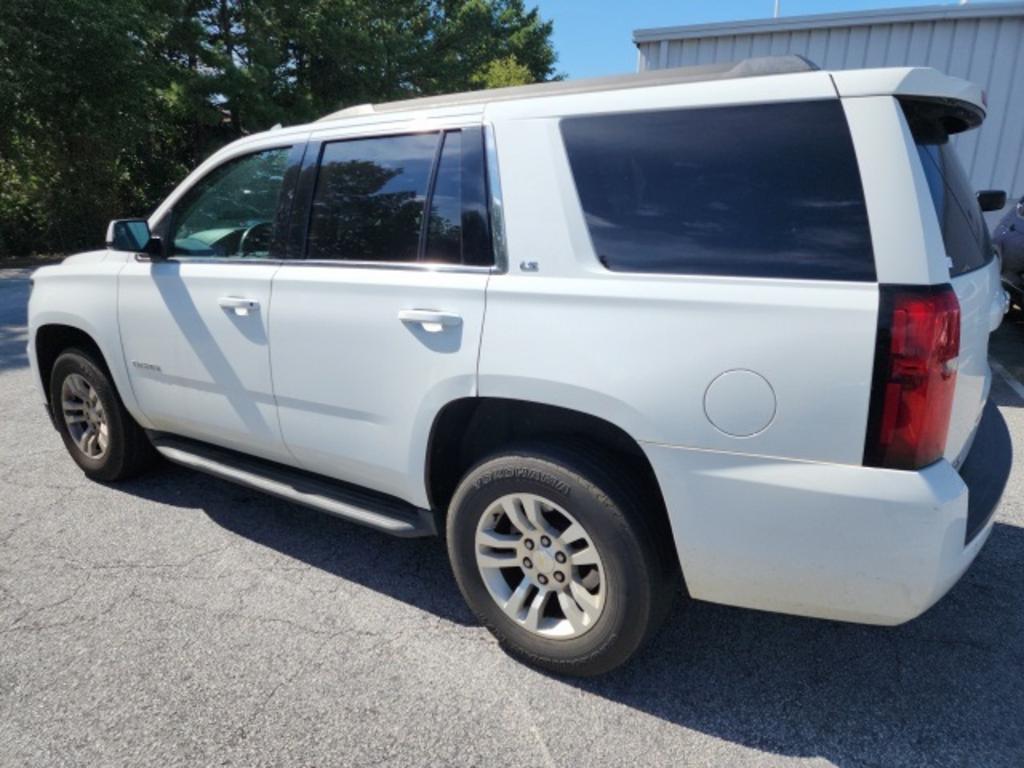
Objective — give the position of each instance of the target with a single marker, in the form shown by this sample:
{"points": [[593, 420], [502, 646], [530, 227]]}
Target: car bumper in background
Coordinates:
{"points": [[831, 541]]}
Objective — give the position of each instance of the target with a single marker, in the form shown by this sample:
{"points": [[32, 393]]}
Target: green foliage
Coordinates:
{"points": [[106, 104], [503, 73]]}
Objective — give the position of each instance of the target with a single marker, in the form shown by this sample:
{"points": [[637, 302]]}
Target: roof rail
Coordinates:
{"points": [[755, 67]]}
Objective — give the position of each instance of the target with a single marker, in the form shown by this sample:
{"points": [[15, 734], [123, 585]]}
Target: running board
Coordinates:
{"points": [[358, 505]]}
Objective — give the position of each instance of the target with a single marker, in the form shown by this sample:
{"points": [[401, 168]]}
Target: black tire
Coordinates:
{"points": [[128, 450], [641, 581]]}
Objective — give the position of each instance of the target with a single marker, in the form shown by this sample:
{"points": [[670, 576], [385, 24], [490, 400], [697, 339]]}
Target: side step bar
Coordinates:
{"points": [[359, 505]]}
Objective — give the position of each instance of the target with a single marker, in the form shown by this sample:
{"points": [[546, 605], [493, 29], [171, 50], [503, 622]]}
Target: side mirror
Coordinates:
{"points": [[991, 199], [133, 235]]}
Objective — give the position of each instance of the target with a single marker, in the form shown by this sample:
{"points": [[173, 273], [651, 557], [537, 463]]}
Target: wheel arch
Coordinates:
{"points": [[51, 339], [52, 335], [468, 429]]}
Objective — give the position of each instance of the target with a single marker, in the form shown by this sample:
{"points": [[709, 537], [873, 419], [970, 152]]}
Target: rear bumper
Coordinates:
{"points": [[986, 470], [826, 540]]}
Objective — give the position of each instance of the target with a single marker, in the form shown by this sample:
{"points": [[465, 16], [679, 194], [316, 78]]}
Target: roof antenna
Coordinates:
{"points": [[777, 8]]}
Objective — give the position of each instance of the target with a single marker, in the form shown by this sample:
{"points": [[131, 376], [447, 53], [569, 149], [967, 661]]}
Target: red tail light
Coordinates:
{"points": [[915, 376]]}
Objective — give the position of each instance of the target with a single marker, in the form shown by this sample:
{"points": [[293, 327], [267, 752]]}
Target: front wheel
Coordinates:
{"points": [[558, 559], [101, 436]]}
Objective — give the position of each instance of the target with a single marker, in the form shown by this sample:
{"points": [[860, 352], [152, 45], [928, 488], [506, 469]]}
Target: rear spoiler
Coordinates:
{"points": [[962, 100]]}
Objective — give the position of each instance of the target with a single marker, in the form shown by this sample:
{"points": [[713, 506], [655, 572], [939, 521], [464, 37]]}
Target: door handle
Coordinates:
{"points": [[239, 304], [432, 320]]}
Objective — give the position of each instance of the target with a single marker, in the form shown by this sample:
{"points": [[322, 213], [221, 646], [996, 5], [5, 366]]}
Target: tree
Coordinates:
{"points": [[106, 104], [76, 95], [477, 43], [503, 73]]}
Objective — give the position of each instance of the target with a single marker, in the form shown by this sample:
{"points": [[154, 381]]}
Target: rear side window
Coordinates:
{"points": [[964, 232], [768, 190]]}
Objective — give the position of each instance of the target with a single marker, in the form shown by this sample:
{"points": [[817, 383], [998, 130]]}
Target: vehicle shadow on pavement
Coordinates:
{"points": [[948, 683], [415, 571], [947, 688]]}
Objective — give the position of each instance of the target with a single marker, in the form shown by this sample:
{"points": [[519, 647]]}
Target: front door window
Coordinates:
{"points": [[230, 212]]}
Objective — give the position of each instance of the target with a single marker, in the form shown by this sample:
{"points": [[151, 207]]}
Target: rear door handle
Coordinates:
{"points": [[239, 304], [432, 320]]}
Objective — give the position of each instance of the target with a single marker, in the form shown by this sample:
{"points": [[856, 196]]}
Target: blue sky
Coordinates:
{"points": [[594, 37]]}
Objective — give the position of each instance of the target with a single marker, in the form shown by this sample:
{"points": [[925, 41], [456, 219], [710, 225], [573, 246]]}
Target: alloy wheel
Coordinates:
{"points": [[540, 566], [84, 416]]}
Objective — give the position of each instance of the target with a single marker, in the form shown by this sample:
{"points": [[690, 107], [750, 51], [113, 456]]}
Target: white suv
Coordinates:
{"points": [[724, 327]]}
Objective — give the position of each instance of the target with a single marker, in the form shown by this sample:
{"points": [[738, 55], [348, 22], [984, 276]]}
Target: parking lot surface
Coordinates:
{"points": [[180, 620]]}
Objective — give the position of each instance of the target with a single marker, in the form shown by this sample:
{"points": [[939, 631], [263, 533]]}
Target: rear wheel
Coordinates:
{"points": [[556, 557], [101, 436]]}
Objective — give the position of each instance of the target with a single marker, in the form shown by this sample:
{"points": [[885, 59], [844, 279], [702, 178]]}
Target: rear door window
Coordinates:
{"points": [[444, 221], [369, 198], [767, 190], [416, 197]]}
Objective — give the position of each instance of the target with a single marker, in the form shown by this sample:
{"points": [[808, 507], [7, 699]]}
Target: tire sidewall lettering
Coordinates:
{"points": [[523, 473]]}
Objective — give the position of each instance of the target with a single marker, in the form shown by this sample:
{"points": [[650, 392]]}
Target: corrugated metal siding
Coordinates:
{"points": [[986, 50]]}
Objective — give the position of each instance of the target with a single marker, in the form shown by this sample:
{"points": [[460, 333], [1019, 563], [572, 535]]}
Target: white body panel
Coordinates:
{"points": [[82, 293], [336, 373], [981, 310], [907, 81], [908, 241], [641, 352], [826, 540], [197, 368], [358, 387], [904, 231]]}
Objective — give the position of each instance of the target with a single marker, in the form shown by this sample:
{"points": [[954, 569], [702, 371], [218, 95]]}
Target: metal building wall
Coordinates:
{"points": [[979, 42]]}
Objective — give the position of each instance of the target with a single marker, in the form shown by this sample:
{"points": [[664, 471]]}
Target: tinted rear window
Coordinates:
{"points": [[964, 231], [369, 196], [768, 190], [444, 221]]}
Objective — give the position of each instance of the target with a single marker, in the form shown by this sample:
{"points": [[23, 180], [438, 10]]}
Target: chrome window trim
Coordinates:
{"points": [[498, 238], [141, 257], [408, 266]]}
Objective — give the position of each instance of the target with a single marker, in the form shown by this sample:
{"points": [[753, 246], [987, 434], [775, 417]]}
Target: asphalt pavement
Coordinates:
{"points": [[180, 620]]}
